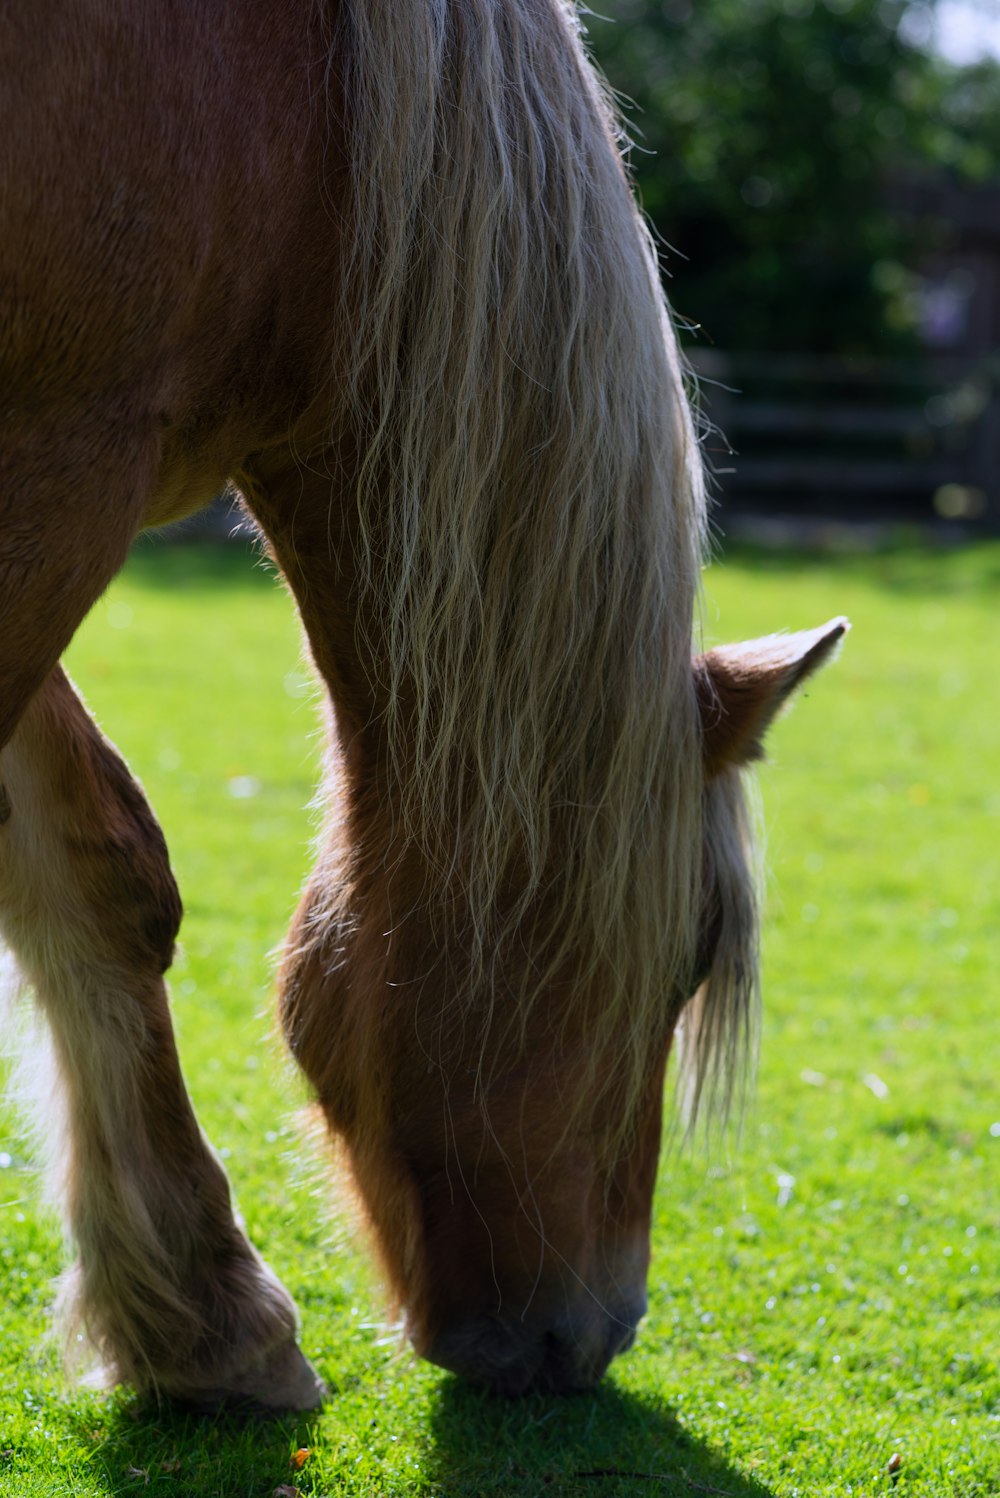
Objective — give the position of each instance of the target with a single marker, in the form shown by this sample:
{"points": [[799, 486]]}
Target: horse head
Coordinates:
{"points": [[506, 1162]]}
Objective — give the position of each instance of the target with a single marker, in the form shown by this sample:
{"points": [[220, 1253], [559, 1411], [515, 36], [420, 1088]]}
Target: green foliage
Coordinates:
{"points": [[826, 1299], [766, 132], [961, 118]]}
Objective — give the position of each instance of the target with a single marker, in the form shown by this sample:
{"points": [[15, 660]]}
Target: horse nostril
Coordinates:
{"points": [[489, 1351], [567, 1367]]}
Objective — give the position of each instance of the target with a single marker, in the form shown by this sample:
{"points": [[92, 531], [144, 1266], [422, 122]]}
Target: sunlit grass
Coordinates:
{"points": [[825, 1301]]}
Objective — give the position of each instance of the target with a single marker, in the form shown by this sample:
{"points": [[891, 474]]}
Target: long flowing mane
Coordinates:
{"points": [[516, 375]]}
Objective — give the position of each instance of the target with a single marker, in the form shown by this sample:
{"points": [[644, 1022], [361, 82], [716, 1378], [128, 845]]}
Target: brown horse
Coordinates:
{"points": [[379, 267]]}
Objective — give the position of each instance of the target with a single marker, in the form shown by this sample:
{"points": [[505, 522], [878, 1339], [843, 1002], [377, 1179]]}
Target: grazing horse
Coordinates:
{"points": [[378, 267]]}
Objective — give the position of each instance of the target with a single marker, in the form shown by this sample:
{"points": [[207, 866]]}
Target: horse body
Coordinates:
{"points": [[385, 275]]}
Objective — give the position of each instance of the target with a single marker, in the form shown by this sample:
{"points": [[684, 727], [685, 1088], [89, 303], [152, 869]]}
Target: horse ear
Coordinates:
{"points": [[741, 689]]}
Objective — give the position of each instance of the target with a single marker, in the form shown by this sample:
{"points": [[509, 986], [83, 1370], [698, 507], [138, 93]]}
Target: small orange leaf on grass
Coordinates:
{"points": [[300, 1457]]}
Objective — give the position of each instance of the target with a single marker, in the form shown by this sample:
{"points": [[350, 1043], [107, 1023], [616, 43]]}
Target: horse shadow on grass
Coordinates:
{"points": [[610, 1443], [606, 1444]]}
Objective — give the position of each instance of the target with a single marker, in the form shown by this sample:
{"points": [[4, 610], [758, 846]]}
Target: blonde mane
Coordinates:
{"points": [[532, 515]]}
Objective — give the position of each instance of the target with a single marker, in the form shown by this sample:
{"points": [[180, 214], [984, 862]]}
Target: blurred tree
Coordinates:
{"points": [[764, 133], [960, 115]]}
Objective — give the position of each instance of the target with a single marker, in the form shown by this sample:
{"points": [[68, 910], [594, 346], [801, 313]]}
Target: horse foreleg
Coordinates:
{"points": [[166, 1286]]}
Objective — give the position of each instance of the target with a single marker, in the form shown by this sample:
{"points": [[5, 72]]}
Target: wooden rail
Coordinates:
{"points": [[807, 434]]}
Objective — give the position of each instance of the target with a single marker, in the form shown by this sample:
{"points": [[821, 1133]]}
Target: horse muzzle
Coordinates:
{"points": [[517, 1355]]}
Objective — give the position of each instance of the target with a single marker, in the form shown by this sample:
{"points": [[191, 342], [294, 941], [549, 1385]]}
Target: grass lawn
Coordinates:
{"points": [[825, 1302]]}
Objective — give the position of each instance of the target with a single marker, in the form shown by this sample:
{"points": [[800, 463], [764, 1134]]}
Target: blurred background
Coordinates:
{"points": [[823, 177]]}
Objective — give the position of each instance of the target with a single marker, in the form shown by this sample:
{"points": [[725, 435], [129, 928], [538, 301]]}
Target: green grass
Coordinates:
{"points": [[827, 1298]]}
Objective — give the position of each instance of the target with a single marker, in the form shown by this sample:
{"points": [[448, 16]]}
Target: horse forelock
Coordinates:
{"points": [[531, 518]]}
